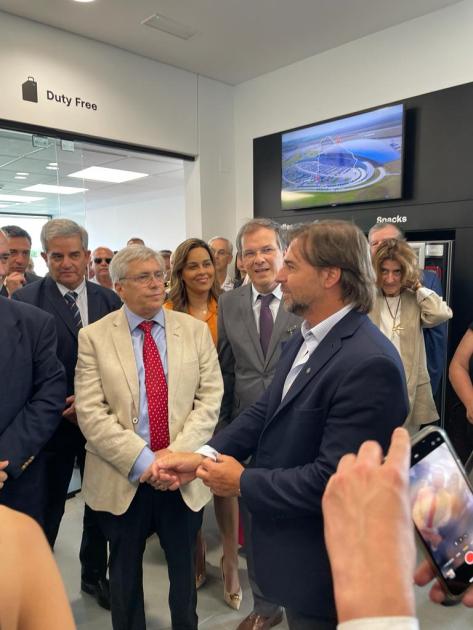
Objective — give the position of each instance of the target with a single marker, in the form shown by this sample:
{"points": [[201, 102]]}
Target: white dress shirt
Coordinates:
{"points": [[81, 301], [273, 307]]}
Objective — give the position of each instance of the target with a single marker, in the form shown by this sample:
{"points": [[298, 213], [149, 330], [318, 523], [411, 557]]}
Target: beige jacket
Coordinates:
{"points": [[431, 311], [107, 404]]}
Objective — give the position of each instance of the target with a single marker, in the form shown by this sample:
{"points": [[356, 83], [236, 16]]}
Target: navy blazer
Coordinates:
{"points": [[351, 389], [435, 338], [45, 295], [32, 384]]}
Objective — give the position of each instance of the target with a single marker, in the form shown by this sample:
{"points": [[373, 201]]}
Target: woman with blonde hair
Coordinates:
{"points": [[402, 308], [195, 290]]}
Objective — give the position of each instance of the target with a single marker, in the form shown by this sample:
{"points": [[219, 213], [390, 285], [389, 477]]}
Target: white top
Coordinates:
{"points": [[273, 307], [312, 338], [81, 301], [380, 623]]}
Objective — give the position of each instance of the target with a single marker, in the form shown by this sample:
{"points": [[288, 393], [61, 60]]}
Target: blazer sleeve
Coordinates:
{"points": [[369, 403], [227, 365], [200, 423], [105, 435], [433, 309], [39, 417]]}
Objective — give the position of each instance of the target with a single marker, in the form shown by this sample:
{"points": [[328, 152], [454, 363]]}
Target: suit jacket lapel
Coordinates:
{"points": [[280, 325], [92, 302], [248, 317], [54, 297], [174, 354], [124, 347]]}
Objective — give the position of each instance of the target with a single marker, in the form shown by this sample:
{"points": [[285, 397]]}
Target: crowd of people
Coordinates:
{"points": [[169, 380]]}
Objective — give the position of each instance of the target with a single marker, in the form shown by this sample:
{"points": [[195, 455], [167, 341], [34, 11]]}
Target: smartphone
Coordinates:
{"points": [[442, 509]]}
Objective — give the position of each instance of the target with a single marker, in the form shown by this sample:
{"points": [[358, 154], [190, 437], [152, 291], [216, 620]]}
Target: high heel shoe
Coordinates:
{"points": [[200, 566], [231, 599]]}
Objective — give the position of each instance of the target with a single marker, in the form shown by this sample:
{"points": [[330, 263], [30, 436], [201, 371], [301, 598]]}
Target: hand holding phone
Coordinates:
{"points": [[442, 510]]}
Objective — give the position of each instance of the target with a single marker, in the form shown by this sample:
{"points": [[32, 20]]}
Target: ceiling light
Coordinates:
{"points": [[52, 168], [162, 23], [52, 163], [61, 190], [84, 1], [4, 205], [22, 173], [102, 174], [20, 177], [20, 198]]}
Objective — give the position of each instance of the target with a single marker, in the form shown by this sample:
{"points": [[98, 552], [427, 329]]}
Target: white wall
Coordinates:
{"points": [[423, 55]]}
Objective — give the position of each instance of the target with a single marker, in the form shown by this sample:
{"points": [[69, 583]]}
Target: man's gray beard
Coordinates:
{"points": [[297, 308]]}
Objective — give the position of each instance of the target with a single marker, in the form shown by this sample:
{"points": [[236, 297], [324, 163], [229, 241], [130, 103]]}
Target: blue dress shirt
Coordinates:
{"points": [[158, 332]]}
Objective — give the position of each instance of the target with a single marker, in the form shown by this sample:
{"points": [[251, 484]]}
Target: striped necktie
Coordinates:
{"points": [[71, 301]]}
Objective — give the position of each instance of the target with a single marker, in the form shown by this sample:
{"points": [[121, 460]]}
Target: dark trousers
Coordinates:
{"points": [[298, 621], [67, 445], [165, 514], [27, 493]]}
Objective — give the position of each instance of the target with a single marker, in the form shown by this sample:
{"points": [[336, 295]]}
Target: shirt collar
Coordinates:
{"points": [[135, 320], [276, 292], [317, 333], [79, 290]]}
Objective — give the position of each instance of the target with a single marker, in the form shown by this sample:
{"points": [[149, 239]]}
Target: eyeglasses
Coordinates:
{"points": [[250, 254], [4, 258], [220, 252], [145, 278], [97, 261]]}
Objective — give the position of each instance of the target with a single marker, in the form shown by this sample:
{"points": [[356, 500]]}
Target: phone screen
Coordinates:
{"points": [[442, 510]]}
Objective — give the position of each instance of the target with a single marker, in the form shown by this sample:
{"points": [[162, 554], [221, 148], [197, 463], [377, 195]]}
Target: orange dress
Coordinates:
{"points": [[211, 319]]}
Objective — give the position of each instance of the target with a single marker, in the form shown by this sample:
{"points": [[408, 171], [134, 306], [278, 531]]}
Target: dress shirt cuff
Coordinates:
{"points": [[142, 462], [422, 293], [380, 623], [208, 451]]}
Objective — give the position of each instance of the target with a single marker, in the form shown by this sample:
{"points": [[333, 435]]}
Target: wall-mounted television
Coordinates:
{"points": [[353, 159]]}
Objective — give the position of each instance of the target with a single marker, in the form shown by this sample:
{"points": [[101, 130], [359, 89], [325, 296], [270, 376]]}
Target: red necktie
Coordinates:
{"points": [[156, 391]]}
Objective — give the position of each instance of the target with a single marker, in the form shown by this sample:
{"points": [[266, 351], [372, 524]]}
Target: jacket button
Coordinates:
{"points": [[135, 420]]}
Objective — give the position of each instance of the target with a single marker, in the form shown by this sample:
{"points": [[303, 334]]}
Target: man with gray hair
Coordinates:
{"points": [[222, 250], [74, 303], [147, 383]]}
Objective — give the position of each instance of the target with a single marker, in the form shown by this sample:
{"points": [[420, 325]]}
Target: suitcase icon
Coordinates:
{"points": [[30, 90]]}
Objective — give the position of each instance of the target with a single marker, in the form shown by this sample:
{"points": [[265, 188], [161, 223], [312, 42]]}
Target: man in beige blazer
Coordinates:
{"points": [[116, 407]]}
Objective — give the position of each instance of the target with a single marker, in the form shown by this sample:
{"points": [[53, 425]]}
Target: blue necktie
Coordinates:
{"points": [[71, 300]]}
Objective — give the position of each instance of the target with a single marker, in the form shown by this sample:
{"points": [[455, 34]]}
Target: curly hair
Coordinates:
{"points": [[178, 292], [404, 255]]}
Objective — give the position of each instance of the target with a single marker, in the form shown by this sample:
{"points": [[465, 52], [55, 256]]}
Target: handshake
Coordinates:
{"points": [[171, 471]]}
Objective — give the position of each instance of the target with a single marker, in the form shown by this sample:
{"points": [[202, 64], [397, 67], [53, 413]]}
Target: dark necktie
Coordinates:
{"points": [[71, 300], [156, 391], [265, 321]]}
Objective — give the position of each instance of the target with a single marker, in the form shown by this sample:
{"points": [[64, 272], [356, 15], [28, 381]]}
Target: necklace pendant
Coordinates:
{"points": [[397, 328]]}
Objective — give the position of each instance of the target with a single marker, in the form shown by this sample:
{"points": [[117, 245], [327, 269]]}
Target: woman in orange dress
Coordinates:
{"points": [[195, 290]]}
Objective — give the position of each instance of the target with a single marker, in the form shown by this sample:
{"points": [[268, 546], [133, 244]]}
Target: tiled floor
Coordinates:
{"points": [[213, 613]]}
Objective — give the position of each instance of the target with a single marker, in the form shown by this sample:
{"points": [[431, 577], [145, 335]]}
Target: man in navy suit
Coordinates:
{"points": [[19, 243], [33, 387], [74, 302], [339, 382], [435, 338]]}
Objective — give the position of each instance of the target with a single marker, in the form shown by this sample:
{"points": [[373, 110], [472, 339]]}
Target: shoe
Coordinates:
{"points": [[231, 599], [200, 566], [100, 590], [258, 622]]}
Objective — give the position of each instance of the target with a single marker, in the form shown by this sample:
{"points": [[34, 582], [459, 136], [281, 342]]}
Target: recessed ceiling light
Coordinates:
{"points": [[84, 1], [20, 198], [102, 174], [52, 163], [20, 177], [61, 190], [52, 168], [22, 173], [171, 27]]}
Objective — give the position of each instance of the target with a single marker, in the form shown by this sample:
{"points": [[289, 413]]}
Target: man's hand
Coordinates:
{"points": [[69, 412], [369, 531], [425, 574], [176, 469], [14, 281], [3, 475], [222, 476]]}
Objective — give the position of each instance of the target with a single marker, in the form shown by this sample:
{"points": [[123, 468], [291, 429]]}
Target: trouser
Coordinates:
{"points": [[298, 621], [166, 514], [67, 445]]}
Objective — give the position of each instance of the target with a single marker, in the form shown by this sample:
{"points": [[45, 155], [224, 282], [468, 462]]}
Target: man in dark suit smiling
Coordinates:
{"points": [[339, 382], [74, 303]]}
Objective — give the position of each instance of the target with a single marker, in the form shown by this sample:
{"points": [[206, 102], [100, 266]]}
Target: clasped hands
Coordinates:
{"points": [[170, 471]]}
